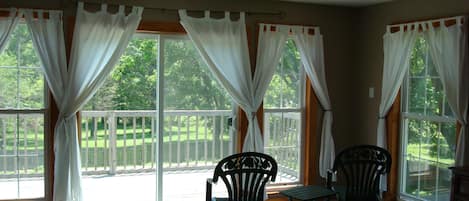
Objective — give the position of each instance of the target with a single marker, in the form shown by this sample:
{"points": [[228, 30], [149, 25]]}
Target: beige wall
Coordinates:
{"points": [[371, 24]]}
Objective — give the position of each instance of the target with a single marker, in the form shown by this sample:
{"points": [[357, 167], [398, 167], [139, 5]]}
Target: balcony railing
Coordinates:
{"points": [[114, 142], [125, 141]]}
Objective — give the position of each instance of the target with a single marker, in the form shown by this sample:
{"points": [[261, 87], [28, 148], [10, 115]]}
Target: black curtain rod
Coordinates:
{"points": [[173, 10]]}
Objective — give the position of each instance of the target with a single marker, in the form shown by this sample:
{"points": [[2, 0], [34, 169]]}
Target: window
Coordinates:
{"points": [[428, 131], [22, 114], [283, 112], [120, 135]]}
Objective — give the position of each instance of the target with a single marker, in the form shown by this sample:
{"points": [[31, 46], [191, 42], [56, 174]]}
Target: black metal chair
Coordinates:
{"points": [[360, 168], [245, 176]]}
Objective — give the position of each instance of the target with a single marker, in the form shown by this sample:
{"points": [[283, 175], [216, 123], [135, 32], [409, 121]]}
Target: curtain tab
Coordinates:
{"points": [[442, 23], [182, 13], [227, 15], [40, 14], [13, 12], [121, 9], [137, 10], [388, 29], [207, 14], [103, 7], [80, 5], [462, 20], [316, 31], [242, 16]]}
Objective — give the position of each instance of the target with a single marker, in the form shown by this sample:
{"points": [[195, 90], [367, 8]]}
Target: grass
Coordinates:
{"points": [[424, 151]]}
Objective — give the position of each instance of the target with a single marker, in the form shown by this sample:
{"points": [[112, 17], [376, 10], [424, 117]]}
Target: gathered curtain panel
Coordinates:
{"points": [[270, 48], [222, 43], [449, 48], [311, 48], [7, 25], [397, 51], [99, 39]]}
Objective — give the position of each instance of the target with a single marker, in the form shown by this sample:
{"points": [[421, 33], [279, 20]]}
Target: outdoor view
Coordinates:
{"points": [[429, 140], [22, 112], [283, 105], [119, 125]]}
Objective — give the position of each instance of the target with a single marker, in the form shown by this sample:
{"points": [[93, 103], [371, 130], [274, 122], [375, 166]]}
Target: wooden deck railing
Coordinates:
{"points": [[125, 141], [114, 142]]}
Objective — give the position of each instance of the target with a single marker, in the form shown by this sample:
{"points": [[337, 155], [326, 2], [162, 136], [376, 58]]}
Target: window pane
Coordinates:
{"points": [[285, 88], [31, 89], [282, 114], [119, 125], [282, 134], [418, 58], [434, 102], [31, 155], [8, 88], [22, 88], [429, 136], [417, 95], [132, 84], [189, 84]]}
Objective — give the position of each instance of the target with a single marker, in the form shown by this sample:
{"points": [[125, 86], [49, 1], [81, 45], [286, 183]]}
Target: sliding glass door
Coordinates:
{"points": [[158, 126]]}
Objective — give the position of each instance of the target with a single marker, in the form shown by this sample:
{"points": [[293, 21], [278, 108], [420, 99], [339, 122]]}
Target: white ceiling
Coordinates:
{"points": [[355, 3]]}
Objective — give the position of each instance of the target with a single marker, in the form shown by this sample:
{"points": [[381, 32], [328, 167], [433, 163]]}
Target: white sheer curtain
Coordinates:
{"points": [[397, 51], [98, 41], [311, 51], [48, 40], [270, 47], [448, 49], [7, 25], [223, 45]]}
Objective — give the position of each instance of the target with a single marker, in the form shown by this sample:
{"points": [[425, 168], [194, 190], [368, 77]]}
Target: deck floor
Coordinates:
{"points": [[177, 186]]}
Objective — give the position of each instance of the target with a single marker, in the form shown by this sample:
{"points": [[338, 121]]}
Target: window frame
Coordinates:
{"points": [[404, 115], [300, 109], [46, 113]]}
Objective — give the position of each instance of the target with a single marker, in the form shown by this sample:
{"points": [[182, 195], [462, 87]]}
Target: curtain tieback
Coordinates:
{"points": [[251, 115], [380, 117]]}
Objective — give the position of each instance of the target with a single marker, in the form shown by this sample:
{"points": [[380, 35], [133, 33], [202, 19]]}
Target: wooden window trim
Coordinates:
{"points": [[392, 137]]}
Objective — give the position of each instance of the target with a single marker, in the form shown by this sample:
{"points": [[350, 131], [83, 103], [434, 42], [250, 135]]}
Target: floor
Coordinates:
{"points": [[177, 186]]}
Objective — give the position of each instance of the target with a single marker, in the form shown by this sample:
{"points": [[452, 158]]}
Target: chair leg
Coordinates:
{"points": [[208, 192]]}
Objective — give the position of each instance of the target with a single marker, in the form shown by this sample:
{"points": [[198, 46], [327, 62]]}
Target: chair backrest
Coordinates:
{"points": [[246, 174], [361, 167]]}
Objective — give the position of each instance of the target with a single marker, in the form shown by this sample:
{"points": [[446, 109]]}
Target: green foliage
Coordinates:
{"points": [[426, 97], [189, 84], [21, 78], [430, 143], [133, 84], [283, 91]]}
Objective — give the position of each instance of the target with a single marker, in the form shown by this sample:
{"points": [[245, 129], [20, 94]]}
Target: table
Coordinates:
{"points": [[308, 193]]}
